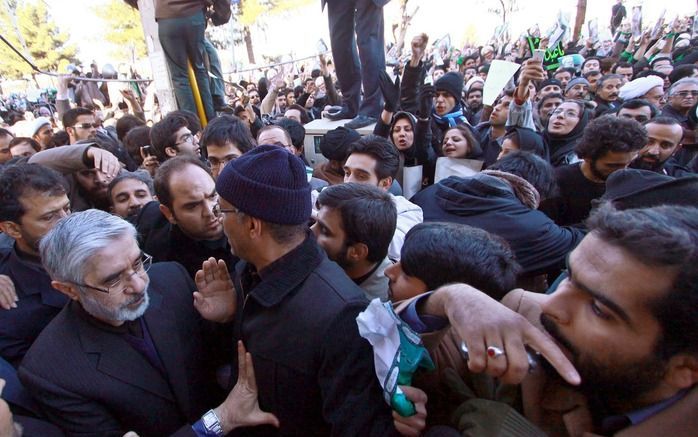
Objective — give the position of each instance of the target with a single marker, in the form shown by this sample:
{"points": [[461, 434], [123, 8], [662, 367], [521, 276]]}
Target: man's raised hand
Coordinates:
{"points": [[215, 299]]}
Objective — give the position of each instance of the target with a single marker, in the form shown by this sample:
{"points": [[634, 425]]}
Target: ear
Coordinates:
{"points": [[167, 212], [252, 225], [385, 183], [682, 371], [68, 289], [11, 229], [357, 252], [171, 152]]}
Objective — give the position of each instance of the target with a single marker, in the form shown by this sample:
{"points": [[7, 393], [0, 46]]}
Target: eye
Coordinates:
{"points": [[596, 308]]}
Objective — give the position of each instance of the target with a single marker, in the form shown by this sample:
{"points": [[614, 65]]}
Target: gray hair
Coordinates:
{"points": [[138, 175], [68, 247], [685, 80]]}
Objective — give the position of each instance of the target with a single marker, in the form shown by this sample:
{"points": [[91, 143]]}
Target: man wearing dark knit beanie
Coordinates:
{"points": [[294, 309], [334, 146]]}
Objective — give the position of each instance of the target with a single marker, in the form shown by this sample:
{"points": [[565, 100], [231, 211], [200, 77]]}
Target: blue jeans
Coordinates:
{"points": [[182, 39]]}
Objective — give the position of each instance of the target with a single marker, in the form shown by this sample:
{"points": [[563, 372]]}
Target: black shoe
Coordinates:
{"points": [[360, 121], [342, 114]]}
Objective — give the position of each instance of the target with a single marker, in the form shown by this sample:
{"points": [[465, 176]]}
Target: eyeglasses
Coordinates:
{"points": [[88, 125], [186, 138], [141, 266], [684, 94], [218, 211]]}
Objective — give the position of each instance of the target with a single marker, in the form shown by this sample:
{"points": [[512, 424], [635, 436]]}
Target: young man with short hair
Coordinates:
{"points": [[172, 136], [663, 138], [355, 224], [374, 160], [80, 124], [225, 138]]}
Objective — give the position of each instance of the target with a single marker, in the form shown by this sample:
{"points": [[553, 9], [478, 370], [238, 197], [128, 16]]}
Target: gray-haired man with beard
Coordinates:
{"points": [[129, 351]]}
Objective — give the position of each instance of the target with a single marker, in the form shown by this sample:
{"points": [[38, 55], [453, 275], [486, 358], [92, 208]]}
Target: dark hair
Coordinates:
{"points": [[71, 116], [650, 73], [193, 122], [473, 143], [606, 77], [442, 253], [58, 139], [472, 90], [294, 129], [226, 128], [236, 112], [135, 139], [590, 73], [125, 124], [382, 150], [637, 104], [530, 167], [609, 133], [5, 133], [304, 114], [550, 96], [25, 179], [19, 140], [369, 216], [681, 71], [163, 175], [591, 58], [620, 65], [162, 134], [139, 175], [662, 236], [569, 70]]}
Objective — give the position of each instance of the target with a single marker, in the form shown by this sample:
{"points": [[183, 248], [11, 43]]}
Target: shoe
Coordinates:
{"points": [[360, 121], [342, 114]]}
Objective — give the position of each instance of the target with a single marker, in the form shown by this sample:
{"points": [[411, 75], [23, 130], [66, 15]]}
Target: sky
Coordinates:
{"points": [[296, 34]]}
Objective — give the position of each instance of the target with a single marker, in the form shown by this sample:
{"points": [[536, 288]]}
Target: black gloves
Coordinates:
{"points": [[390, 91], [426, 100]]}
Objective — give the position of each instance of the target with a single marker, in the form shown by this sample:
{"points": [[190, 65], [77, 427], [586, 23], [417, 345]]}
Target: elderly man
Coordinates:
{"points": [[129, 351], [683, 95]]}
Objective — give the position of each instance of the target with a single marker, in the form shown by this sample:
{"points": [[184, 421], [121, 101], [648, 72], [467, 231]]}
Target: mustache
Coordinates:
{"points": [[552, 329]]}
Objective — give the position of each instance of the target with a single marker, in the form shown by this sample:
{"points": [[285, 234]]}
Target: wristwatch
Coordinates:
{"points": [[212, 424]]}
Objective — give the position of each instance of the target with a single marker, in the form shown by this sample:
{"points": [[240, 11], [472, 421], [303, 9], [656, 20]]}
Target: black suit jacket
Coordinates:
{"points": [[91, 382]]}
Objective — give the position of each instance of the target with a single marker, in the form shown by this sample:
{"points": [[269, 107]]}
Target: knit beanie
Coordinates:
{"points": [[576, 81], [267, 183], [451, 83], [334, 145]]}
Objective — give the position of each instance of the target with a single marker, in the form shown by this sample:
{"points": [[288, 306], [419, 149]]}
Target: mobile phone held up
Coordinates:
{"points": [[539, 54]]}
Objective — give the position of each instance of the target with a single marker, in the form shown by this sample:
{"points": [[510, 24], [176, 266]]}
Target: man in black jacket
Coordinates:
{"points": [[185, 226], [504, 203], [294, 309]]}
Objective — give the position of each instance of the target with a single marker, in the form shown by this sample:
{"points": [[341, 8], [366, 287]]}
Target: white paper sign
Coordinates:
{"points": [[500, 73], [446, 167], [411, 180]]}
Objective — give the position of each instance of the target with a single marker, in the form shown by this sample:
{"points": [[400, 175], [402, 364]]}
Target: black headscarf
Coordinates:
{"points": [[560, 146]]}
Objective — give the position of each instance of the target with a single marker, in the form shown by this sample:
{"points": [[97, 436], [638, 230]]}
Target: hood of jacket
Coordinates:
{"points": [[473, 195]]}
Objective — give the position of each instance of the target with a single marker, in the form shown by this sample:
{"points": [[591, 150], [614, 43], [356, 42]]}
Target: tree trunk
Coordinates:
{"points": [[579, 20], [247, 36]]}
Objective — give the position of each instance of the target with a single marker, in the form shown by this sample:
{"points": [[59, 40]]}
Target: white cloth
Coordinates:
{"points": [[408, 216], [639, 87]]}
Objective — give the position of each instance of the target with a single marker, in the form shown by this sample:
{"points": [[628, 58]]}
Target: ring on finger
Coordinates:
{"points": [[495, 352]]}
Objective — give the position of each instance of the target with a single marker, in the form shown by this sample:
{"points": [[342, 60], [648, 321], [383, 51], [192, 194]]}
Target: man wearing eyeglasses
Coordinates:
{"points": [[80, 124], [172, 137], [129, 352], [683, 95]]}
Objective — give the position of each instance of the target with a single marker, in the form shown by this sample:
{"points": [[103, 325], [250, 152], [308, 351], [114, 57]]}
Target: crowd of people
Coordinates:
{"points": [[160, 277]]}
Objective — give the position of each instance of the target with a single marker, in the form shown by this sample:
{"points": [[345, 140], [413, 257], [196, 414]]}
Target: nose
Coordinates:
{"points": [[390, 272], [315, 229], [135, 283], [559, 305]]}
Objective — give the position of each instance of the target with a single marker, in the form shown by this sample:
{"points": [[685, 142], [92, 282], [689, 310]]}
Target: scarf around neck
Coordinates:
{"points": [[523, 190]]}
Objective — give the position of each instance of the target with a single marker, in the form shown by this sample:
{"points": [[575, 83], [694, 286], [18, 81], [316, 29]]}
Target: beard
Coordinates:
{"points": [[595, 171], [122, 313], [641, 164], [610, 385]]}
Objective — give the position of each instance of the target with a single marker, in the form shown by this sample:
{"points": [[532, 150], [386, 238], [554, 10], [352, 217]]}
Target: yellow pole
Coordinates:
{"points": [[197, 95]]}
